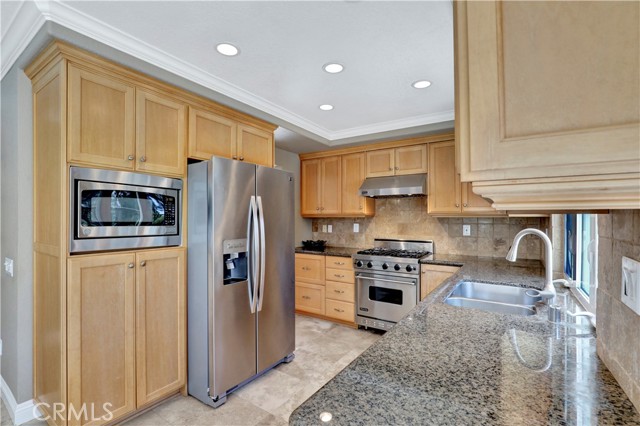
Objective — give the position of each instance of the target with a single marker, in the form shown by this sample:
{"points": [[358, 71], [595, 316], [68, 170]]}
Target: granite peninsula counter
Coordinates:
{"points": [[444, 365]]}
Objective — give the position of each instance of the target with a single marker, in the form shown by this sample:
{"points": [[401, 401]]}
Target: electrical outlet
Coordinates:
{"points": [[466, 230], [324, 228], [356, 227], [630, 293], [330, 228], [8, 266]]}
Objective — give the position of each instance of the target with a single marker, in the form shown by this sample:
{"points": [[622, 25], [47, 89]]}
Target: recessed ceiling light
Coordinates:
{"points": [[227, 49], [326, 416], [326, 107], [421, 84], [333, 68]]}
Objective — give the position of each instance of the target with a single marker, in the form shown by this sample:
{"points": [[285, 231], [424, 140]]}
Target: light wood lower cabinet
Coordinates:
{"points": [[332, 299], [434, 275], [126, 330]]}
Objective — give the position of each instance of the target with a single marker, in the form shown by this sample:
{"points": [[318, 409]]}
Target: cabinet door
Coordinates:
{"points": [[411, 160], [444, 182], [210, 135], [381, 162], [542, 94], [310, 187], [255, 146], [101, 114], [160, 324], [310, 298], [161, 134], [433, 276], [473, 203], [310, 268], [101, 334], [353, 174], [330, 183]]}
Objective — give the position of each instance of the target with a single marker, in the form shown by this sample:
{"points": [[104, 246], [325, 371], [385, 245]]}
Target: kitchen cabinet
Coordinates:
{"points": [[160, 133], [211, 134], [102, 333], [101, 119], [447, 196], [407, 160], [547, 114], [255, 146], [353, 174], [126, 320], [329, 294], [320, 186], [434, 275]]}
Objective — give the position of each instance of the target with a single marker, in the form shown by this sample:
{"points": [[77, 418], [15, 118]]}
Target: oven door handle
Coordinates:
{"points": [[386, 281]]}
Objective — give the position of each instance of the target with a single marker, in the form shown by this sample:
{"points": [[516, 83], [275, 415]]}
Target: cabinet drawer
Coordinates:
{"points": [[337, 262], [310, 298], [310, 268], [340, 291], [341, 275], [340, 310]]}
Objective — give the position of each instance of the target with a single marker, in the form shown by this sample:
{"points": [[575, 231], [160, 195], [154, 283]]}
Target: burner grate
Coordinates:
{"points": [[412, 254]]}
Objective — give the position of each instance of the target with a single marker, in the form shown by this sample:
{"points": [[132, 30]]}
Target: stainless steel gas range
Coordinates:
{"points": [[388, 280]]}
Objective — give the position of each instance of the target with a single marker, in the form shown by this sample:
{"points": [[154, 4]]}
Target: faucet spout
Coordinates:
{"points": [[549, 291]]}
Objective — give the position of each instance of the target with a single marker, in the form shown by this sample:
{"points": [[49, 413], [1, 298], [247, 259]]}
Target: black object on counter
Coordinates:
{"points": [[314, 245]]}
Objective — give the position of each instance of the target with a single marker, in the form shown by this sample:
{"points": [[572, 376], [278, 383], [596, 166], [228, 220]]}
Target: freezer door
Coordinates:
{"points": [[233, 333], [276, 301]]}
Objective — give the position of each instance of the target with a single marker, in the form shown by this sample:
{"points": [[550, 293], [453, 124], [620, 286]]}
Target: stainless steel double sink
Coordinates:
{"points": [[502, 299]]}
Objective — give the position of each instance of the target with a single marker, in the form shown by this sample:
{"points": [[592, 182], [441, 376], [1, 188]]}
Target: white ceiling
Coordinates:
{"points": [[384, 46]]}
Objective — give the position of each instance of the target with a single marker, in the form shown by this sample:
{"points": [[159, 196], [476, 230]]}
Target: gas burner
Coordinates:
{"points": [[381, 251]]}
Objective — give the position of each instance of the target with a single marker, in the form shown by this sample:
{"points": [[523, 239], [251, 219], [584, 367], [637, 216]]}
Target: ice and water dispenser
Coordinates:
{"points": [[235, 260]]}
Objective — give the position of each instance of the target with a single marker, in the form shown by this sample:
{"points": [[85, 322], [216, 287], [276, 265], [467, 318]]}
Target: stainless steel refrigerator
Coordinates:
{"points": [[240, 275]]}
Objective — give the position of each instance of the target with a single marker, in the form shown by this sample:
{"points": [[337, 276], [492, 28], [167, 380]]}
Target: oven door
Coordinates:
{"points": [[386, 297]]}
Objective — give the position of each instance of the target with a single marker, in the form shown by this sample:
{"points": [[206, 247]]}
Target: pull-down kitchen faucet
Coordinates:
{"points": [[549, 291]]}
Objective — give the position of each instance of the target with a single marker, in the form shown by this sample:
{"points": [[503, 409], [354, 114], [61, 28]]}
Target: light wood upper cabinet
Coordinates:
{"points": [[353, 174], [447, 196], [411, 160], [161, 133], [320, 186], [381, 162], [547, 108], [101, 119], [255, 145], [101, 334], [406, 160], [160, 324], [210, 134]]}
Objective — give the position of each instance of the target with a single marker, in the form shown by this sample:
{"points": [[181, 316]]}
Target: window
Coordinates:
{"points": [[581, 257]]}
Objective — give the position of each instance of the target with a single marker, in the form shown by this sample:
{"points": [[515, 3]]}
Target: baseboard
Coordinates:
{"points": [[20, 413]]}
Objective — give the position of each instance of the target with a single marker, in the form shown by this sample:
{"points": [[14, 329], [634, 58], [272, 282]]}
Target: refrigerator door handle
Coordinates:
{"points": [[251, 249], [263, 253]]}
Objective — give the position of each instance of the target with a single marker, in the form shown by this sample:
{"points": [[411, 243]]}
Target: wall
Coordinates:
{"points": [[290, 162], [618, 326], [407, 218], [16, 233]]}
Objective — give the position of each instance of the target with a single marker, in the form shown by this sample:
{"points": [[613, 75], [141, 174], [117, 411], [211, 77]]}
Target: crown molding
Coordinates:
{"points": [[33, 14]]}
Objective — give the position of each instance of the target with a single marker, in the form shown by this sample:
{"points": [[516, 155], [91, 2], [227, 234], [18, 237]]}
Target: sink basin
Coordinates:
{"points": [[502, 299]]}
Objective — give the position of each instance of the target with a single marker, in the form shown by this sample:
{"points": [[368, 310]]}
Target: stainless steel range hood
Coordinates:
{"points": [[394, 186]]}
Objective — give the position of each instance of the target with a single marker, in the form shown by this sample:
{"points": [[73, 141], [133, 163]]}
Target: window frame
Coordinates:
{"points": [[588, 301]]}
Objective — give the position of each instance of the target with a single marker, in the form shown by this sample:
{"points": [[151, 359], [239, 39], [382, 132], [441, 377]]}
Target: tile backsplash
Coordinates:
{"points": [[407, 218]]}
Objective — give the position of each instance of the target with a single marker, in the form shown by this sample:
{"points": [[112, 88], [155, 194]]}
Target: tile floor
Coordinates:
{"points": [[322, 350]]}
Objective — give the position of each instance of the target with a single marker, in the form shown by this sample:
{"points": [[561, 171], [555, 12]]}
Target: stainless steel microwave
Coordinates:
{"points": [[114, 210]]}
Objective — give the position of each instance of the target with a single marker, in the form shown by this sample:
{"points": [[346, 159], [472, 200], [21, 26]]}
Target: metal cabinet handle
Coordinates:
{"points": [[338, 276], [464, 205], [360, 207], [321, 208], [305, 268], [235, 157], [390, 168], [241, 158], [306, 297], [457, 205], [317, 208], [339, 291], [131, 265], [338, 263], [338, 310], [397, 168], [130, 158], [143, 263], [143, 159]]}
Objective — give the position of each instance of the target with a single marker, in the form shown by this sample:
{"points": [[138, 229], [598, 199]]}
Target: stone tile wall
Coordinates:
{"points": [[407, 218], [618, 326]]}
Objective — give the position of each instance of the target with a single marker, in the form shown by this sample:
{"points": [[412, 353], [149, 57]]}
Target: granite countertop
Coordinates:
{"points": [[444, 365], [331, 251]]}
